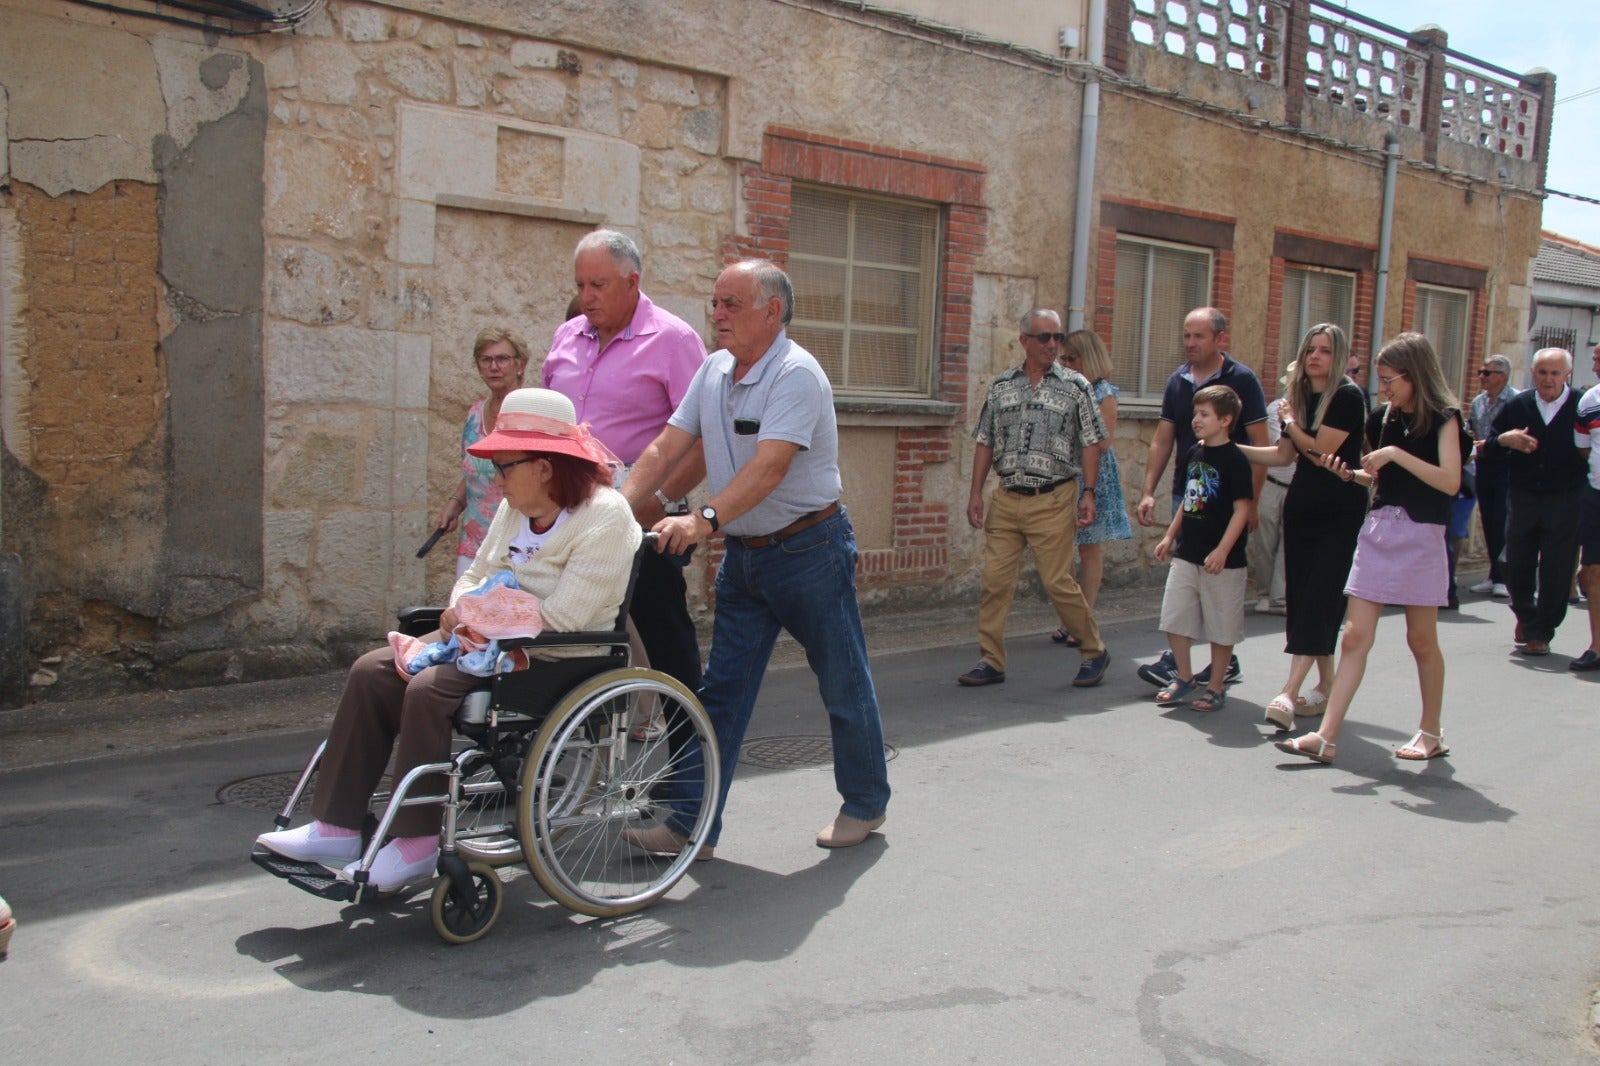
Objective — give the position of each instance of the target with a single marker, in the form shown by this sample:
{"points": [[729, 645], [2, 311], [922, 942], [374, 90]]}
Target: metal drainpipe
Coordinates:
{"points": [[1380, 299], [1088, 138]]}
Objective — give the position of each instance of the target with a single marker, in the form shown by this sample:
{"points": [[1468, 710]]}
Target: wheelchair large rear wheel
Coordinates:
{"points": [[587, 779]]}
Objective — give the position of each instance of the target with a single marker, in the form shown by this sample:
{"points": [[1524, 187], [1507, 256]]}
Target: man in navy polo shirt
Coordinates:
{"points": [[1205, 337]]}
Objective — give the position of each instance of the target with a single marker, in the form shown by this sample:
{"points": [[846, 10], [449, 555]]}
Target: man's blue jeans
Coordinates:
{"points": [[805, 585]]}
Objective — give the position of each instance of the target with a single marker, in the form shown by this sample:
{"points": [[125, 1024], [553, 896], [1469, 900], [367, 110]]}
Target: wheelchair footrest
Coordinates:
{"points": [[312, 877]]}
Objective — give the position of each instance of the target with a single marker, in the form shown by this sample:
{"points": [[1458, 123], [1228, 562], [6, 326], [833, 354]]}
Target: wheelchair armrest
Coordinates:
{"points": [[590, 638], [415, 621]]}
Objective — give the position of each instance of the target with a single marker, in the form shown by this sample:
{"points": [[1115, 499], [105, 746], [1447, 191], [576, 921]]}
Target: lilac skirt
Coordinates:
{"points": [[1399, 561]]}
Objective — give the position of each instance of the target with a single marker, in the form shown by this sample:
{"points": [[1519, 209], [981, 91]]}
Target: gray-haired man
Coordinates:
{"points": [[1493, 478]]}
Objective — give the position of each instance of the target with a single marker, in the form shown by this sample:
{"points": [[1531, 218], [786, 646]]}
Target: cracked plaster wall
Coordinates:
{"points": [[132, 362]]}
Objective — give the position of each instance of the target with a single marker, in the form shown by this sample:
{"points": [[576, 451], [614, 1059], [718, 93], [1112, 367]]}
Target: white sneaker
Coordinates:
{"points": [[390, 872], [1501, 592], [307, 845], [1263, 606], [1482, 587]]}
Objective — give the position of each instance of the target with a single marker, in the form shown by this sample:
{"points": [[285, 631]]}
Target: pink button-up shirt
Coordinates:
{"points": [[627, 392]]}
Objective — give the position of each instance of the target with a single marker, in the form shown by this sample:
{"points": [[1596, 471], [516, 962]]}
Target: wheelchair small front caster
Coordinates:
{"points": [[461, 919]]}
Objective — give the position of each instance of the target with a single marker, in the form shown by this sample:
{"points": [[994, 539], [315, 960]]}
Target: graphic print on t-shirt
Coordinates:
{"points": [[1203, 489]]}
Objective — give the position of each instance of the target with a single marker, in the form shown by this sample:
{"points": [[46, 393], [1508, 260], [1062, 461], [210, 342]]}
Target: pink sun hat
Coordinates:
{"points": [[542, 421]]}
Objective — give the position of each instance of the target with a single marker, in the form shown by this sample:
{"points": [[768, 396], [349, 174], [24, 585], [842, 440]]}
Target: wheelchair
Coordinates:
{"points": [[547, 770]]}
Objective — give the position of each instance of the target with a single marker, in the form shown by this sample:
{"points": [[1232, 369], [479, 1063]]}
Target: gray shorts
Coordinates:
{"points": [[1208, 608]]}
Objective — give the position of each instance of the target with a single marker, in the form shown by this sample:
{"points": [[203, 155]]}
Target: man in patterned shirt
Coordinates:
{"points": [[1040, 431]]}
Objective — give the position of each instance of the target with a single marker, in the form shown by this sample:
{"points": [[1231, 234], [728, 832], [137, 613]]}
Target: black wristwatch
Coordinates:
{"points": [[710, 515]]}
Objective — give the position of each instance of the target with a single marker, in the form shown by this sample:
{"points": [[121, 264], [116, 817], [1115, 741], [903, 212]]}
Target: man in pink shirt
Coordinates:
{"points": [[625, 364]]}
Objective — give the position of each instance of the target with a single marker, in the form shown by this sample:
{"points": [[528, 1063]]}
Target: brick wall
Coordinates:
{"points": [[95, 387]]}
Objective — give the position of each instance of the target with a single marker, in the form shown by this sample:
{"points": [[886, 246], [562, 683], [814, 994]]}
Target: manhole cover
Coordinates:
{"points": [[783, 753], [264, 792]]}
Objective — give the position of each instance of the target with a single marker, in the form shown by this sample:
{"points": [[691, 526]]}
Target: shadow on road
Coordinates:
{"points": [[538, 951]]}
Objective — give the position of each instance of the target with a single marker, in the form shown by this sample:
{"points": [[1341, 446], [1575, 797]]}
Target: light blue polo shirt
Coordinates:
{"points": [[784, 396]]}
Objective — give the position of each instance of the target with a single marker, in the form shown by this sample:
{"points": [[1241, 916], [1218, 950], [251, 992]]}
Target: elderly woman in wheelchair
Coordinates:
{"points": [[565, 536]]}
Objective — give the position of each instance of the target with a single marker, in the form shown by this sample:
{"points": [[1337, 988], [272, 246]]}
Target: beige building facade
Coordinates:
{"points": [[241, 274]]}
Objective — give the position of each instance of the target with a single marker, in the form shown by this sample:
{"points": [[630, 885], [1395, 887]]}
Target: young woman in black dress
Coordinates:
{"points": [[1322, 413]]}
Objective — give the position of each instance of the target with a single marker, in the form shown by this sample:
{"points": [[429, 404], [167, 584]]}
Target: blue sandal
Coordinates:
{"points": [[1176, 692], [1208, 700]]}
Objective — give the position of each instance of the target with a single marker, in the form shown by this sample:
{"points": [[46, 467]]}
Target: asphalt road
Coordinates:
{"points": [[1066, 876]]}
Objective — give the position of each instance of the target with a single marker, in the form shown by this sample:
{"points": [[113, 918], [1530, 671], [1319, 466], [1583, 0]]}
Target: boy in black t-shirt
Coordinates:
{"points": [[1204, 598]]}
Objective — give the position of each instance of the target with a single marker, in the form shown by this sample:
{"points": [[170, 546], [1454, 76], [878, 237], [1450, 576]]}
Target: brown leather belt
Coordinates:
{"points": [[799, 525]]}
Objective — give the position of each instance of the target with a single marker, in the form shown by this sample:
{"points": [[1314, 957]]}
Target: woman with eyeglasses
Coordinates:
{"points": [[1084, 352], [1322, 413], [566, 537], [1415, 447], [501, 358]]}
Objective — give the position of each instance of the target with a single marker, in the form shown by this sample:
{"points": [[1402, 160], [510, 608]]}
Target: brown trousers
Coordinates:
{"points": [[379, 709]]}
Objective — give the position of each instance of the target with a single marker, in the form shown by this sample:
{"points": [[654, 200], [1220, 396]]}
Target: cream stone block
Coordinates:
{"points": [[468, 39], [286, 540], [537, 98], [413, 355], [669, 87], [5, 142], [283, 72], [702, 130], [471, 89], [597, 108], [332, 365], [317, 469], [318, 186], [310, 286], [535, 54], [365, 23], [443, 149], [419, 76], [355, 550], [415, 232], [328, 72], [454, 154]]}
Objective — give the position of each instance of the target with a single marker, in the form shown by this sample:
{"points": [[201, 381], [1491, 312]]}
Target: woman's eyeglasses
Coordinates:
{"points": [[503, 468]]}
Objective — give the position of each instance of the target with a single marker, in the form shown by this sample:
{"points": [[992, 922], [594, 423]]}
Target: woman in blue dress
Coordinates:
{"points": [[1084, 353]]}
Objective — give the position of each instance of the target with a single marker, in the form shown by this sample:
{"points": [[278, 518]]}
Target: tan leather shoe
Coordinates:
{"points": [[664, 842], [847, 832]]}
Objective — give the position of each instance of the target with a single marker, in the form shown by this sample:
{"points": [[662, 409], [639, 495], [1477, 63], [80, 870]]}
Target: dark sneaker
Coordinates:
{"points": [[1092, 670], [982, 674], [1235, 675], [1160, 673]]}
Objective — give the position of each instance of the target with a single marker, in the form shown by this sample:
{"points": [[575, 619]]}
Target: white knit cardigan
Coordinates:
{"points": [[580, 574]]}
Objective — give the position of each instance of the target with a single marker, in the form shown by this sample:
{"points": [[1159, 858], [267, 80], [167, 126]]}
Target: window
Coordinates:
{"points": [[1157, 285], [1443, 316], [1312, 295], [864, 270]]}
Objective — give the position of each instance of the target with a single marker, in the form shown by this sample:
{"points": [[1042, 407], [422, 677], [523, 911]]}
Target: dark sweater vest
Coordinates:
{"points": [[1557, 464]]}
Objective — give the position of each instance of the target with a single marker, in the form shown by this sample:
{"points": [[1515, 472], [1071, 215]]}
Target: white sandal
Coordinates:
{"points": [[1281, 711], [1440, 750], [1312, 704], [1323, 754]]}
